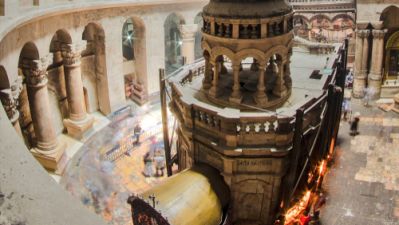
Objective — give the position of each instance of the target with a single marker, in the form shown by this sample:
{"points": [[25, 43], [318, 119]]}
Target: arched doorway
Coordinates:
{"points": [[94, 68], [134, 60], [173, 42], [56, 80], [392, 57], [28, 53]]}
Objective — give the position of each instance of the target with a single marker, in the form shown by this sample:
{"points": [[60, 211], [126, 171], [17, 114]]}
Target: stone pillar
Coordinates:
{"points": [[47, 150], [78, 121], [280, 89], [236, 96], [207, 82], [359, 82], [188, 41], [375, 76], [214, 89], [260, 96], [10, 106]]}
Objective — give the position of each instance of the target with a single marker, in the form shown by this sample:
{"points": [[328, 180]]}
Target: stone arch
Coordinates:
{"points": [[254, 53], [206, 47], [218, 51], [390, 18], [392, 56], [173, 42], [344, 16], [135, 56], [61, 37], [198, 35], [320, 16], [302, 18], [28, 53], [95, 36], [277, 50], [56, 77], [4, 82], [133, 34]]}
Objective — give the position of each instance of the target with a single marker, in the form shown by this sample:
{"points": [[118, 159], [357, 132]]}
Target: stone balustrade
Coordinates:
{"points": [[233, 128]]}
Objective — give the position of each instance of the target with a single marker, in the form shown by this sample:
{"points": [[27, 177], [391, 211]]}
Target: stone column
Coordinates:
{"points": [[236, 96], [375, 76], [78, 121], [359, 82], [188, 46], [214, 89], [10, 106], [280, 89], [207, 81], [260, 95], [47, 149]]}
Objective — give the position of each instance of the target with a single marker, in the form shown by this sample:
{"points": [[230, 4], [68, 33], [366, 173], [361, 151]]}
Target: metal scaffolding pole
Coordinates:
{"points": [[162, 88]]}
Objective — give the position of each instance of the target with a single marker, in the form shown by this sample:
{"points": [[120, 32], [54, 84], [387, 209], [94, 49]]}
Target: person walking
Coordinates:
{"points": [[355, 124]]}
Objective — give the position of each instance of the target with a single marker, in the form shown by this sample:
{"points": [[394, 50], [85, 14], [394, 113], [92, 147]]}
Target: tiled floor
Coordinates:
{"points": [[363, 183]]}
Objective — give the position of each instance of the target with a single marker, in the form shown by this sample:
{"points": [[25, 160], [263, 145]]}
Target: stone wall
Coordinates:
{"points": [[151, 14]]}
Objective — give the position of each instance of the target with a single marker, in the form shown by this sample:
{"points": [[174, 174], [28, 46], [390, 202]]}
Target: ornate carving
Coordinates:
{"points": [[9, 104], [363, 33], [71, 54], [379, 34], [36, 71]]}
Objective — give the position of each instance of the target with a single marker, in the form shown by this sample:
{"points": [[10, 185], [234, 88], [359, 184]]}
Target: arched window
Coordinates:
{"points": [[173, 42], [128, 36]]}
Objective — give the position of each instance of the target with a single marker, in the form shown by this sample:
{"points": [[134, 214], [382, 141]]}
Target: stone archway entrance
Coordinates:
{"points": [[392, 56]]}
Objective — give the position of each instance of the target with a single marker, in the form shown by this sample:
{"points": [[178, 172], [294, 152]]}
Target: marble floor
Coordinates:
{"points": [[363, 182], [107, 168]]}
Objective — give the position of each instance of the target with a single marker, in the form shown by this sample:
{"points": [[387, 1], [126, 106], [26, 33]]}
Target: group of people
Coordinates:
{"points": [[156, 155]]}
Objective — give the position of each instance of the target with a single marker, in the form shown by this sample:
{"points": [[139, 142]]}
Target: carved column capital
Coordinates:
{"points": [[36, 71], [363, 33], [71, 54], [9, 104], [379, 34]]}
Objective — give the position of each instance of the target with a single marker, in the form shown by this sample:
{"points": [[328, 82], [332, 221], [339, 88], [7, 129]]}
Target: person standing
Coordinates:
{"points": [[346, 105], [137, 133], [355, 124], [148, 171], [159, 160]]}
